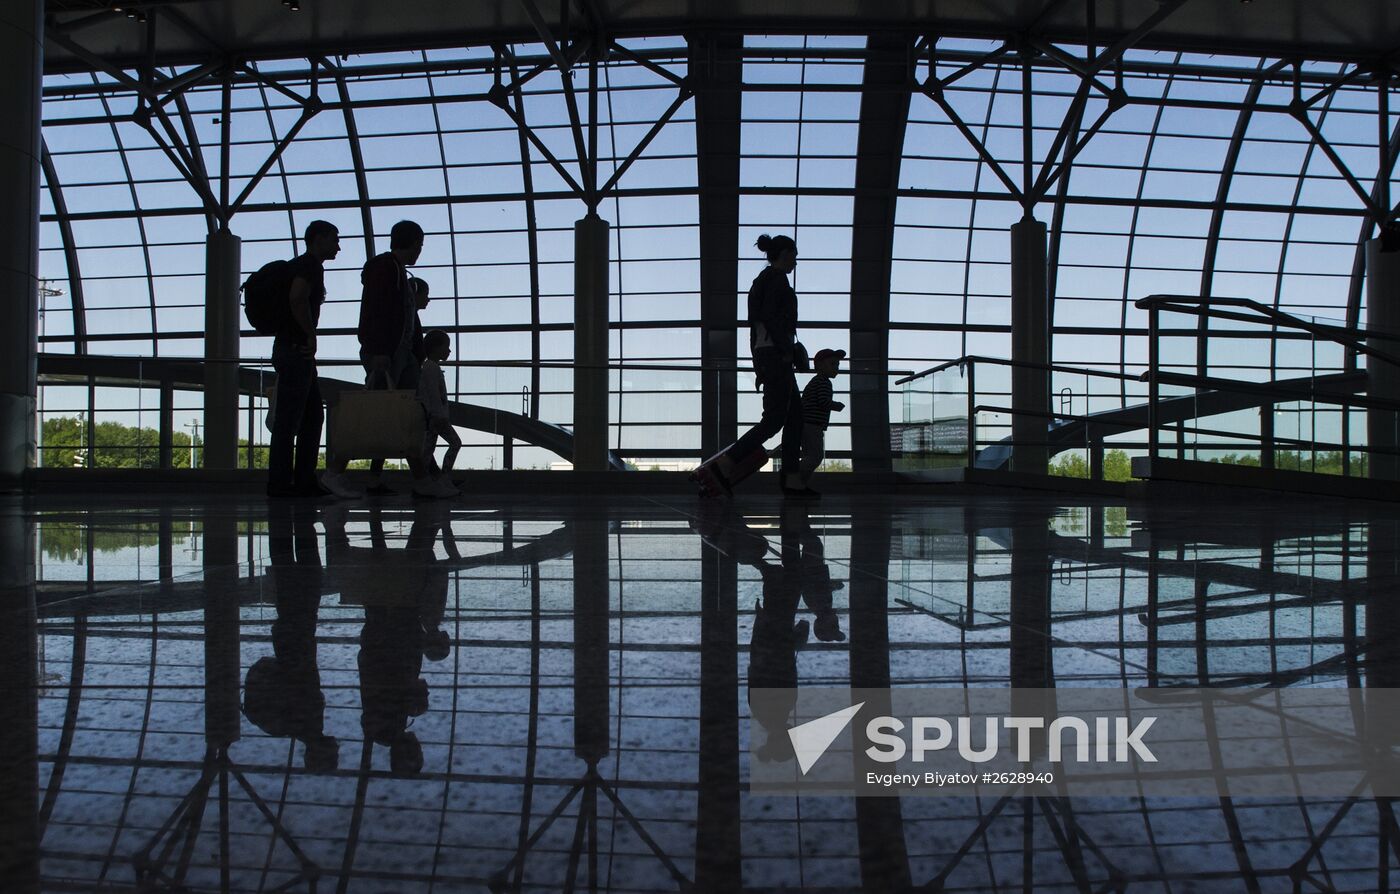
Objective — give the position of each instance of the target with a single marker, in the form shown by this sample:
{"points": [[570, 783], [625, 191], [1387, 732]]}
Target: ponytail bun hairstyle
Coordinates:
{"points": [[774, 246]]}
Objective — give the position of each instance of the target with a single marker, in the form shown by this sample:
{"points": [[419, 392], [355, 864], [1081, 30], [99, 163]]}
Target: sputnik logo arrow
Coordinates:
{"points": [[810, 740]]}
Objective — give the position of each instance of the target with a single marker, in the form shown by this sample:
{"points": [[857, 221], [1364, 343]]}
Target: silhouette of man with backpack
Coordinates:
{"points": [[284, 299]]}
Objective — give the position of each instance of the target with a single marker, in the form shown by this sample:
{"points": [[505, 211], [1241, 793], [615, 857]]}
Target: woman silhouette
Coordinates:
{"points": [[776, 354]]}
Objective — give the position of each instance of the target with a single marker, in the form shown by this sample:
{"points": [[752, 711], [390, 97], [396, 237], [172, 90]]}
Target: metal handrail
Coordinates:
{"points": [[1198, 430], [1327, 397], [258, 362], [1025, 364], [1350, 336]]}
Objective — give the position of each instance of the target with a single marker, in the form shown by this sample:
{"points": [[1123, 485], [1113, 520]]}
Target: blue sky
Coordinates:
{"points": [[431, 156]]}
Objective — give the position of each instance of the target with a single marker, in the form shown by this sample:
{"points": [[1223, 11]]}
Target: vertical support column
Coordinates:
{"points": [[221, 629], [1383, 379], [592, 651], [591, 344], [167, 423], [1266, 438], [718, 843], [19, 708], [884, 852], [884, 112], [1030, 343], [1382, 611], [1379, 645], [165, 550], [1031, 654], [223, 252], [716, 63], [22, 52]]}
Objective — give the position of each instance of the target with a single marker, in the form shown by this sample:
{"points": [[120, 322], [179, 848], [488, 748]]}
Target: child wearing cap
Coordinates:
{"points": [[432, 393], [816, 413]]}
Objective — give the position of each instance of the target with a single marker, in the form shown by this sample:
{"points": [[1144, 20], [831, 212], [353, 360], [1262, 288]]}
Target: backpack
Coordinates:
{"points": [[266, 297]]}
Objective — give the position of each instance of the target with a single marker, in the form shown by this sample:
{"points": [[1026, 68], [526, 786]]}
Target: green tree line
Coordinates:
{"points": [[1118, 467], [116, 446]]}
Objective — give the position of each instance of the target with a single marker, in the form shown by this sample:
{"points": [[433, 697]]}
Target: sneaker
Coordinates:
{"points": [[339, 485]]}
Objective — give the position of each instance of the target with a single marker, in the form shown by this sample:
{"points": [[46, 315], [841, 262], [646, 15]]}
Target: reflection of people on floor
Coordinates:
{"points": [[817, 585], [799, 574], [777, 635], [430, 520], [404, 593], [282, 692], [391, 691]]}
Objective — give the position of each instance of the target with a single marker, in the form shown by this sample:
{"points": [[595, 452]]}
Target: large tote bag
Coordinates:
{"points": [[376, 576], [368, 424]]}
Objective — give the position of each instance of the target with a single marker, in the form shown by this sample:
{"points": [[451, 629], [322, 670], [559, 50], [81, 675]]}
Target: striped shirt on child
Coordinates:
{"points": [[816, 401]]}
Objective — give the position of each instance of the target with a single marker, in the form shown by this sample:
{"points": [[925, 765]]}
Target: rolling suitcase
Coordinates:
{"points": [[712, 484]]}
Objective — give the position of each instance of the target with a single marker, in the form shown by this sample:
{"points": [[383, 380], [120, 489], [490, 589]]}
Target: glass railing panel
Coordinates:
{"points": [[933, 432], [1231, 438], [992, 435]]}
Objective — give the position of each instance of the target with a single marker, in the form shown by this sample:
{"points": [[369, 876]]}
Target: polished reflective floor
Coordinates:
{"points": [[535, 694]]}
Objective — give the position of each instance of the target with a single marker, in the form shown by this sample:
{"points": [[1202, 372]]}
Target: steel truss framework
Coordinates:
{"points": [[1022, 111]]}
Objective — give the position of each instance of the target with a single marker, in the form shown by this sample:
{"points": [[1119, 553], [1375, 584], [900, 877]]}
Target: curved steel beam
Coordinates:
{"points": [[281, 167], [715, 63], [357, 161], [1358, 267], [140, 220], [253, 381], [1288, 229], [451, 214], [488, 419], [972, 205], [70, 249], [1217, 215], [889, 73], [70, 721], [532, 236], [1132, 237]]}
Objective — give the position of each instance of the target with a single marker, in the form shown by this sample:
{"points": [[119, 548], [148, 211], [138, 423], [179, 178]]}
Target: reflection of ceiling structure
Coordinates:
{"points": [[128, 697], [1342, 29]]}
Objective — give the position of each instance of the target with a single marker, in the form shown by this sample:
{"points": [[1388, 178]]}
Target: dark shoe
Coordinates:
{"points": [[380, 490], [805, 493], [283, 491], [801, 632]]}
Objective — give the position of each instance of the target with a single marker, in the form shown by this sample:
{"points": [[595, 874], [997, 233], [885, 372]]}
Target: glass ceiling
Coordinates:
{"points": [[1201, 182]]}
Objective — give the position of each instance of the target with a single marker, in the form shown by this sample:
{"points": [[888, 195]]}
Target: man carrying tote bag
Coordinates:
{"points": [[386, 419]]}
